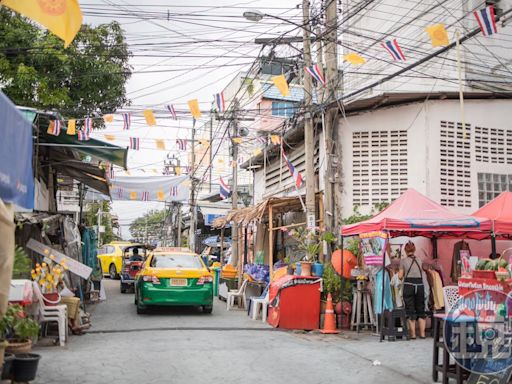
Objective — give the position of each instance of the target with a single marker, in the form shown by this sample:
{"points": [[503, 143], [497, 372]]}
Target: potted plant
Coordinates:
{"points": [[22, 264], [18, 329], [48, 276], [331, 284], [24, 367], [310, 240]]}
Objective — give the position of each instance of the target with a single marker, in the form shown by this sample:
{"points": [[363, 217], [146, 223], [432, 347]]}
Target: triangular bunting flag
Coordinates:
{"points": [[193, 105], [150, 117]]}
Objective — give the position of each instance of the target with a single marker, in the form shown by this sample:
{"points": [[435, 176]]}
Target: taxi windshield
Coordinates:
{"points": [[176, 261]]}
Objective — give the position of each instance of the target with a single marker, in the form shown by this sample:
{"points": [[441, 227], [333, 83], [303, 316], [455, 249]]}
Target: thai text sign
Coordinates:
{"points": [[373, 246]]}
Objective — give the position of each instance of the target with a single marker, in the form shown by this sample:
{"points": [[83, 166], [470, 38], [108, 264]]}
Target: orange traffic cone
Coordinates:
{"points": [[329, 318]]}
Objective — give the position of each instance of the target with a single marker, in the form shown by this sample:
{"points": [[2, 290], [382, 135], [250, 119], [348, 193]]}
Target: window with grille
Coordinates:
{"points": [[283, 109], [490, 185], [455, 164], [493, 145], [379, 166]]}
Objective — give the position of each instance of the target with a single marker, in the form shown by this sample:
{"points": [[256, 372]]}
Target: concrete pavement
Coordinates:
{"points": [[186, 346]]}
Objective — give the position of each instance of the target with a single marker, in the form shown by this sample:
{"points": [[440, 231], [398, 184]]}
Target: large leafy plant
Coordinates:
{"points": [[16, 325], [310, 240]]}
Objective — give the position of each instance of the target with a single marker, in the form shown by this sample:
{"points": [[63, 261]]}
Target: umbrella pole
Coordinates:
{"points": [[493, 245], [383, 292]]}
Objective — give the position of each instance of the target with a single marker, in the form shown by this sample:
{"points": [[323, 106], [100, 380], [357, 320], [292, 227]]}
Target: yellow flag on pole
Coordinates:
{"points": [[257, 152], [110, 137], [150, 117], [177, 170], [160, 144], [160, 195], [133, 195], [71, 127], [438, 35], [193, 105], [275, 139], [354, 58], [62, 17], [281, 84], [108, 118], [237, 140]]}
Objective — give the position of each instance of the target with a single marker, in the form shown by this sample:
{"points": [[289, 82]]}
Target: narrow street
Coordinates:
{"points": [[183, 346]]}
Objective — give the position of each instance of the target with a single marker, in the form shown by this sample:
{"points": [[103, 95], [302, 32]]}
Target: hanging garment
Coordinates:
{"points": [[398, 290], [437, 290], [377, 293], [456, 267]]}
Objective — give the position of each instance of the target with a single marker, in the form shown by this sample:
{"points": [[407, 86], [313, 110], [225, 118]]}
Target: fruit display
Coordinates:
{"points": [[492, 265]]}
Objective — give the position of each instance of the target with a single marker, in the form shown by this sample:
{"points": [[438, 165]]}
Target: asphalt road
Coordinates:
{"points": [[182, 345]]}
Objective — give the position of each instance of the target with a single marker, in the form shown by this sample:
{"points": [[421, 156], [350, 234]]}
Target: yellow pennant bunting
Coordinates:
{"points": [[281, 84], [237, 140], [160, 195], [354, 58], [257, 152], [108, 118], [51, 126], [275, 139], [193, 105], [204, 142], [160, 144], [109, 137], [438, 35], [177, 170], [62, 17], [155, 171], [71, 127], [150, 117], [133, 195]]}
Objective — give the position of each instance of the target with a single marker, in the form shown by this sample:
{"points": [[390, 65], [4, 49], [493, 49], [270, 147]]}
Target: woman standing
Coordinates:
{"points": [[412, 274]]}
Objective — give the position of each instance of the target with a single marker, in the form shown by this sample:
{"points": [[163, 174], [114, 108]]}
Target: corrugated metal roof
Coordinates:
{"points": [[271, 92]]}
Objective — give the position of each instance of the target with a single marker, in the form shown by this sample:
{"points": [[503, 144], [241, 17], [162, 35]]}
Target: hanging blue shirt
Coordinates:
{"points": [[377, 293]]}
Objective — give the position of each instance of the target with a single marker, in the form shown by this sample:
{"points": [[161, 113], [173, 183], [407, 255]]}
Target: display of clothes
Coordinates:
{"points": [[456, 263], [436, 298], [377, 292]]}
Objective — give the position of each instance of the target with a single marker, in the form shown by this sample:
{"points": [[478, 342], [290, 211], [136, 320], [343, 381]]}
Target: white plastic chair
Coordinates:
{"points": [[236, 293], [450, 295], [57, 313], [255, 306]]}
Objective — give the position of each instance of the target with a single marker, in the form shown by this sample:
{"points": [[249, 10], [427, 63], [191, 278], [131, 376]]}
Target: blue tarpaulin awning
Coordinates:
{"points": [[16, 176]]}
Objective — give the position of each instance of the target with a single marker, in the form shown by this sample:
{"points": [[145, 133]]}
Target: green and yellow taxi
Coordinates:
{"points": [[174, 277], [110, 257]]}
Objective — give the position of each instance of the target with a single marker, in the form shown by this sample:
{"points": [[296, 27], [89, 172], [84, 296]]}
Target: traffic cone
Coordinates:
{"points": [[329, 318]]}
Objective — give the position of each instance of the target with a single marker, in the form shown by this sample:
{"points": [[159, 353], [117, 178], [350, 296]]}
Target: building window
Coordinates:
{"points": [[283, 109], [490, 185]]}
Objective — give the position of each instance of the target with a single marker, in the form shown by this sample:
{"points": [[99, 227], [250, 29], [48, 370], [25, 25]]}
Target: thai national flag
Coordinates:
{"points": [[120, 192], [55, 127], [111, 173], [182, 144], [134, 143], [225, 189], [88, 125], [145, 196], [394, 50], [297, 177], [127, 119], [486, 20], [83, 135], [315, 72], [174, 191], [219, 100], [171, 109]]}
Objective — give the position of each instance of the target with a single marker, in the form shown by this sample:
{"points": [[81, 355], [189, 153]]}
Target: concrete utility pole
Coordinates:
{"points": [[192, 202], [330, 132], [234, 192], [309, 134]]}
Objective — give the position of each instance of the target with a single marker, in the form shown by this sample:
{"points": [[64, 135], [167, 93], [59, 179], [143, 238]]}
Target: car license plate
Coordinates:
{"points": [[178, 282]]}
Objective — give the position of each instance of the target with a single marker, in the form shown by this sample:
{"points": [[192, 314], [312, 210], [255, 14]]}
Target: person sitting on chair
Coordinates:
{"points": [[135, 255]]}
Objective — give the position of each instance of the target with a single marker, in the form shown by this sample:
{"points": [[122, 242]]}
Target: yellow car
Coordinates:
{"points": [[174, 276], [111, 257]]}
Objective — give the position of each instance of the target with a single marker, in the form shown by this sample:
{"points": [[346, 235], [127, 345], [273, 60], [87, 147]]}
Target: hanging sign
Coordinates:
{"points": [[73, 265], [373, 246]]}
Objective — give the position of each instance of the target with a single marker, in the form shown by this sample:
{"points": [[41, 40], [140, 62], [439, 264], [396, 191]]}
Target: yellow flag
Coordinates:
{"points": [[438, 35], [160, 144], [177, 170], [150, 117], [51, 127], [62, 17], [128, 172], [281, 84], [275, 139], [257, 152], [133, 195], [155, 171], [71, 127], [193, 105], [233, 164], [204, 142], [237, 140], [160, 195], [110, 137], [354, 58], [108, 118]]}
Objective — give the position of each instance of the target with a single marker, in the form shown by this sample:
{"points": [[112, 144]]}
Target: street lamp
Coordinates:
{"points": [[254, 15]]}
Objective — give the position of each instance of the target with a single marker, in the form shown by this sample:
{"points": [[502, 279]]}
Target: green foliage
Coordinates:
{"points": [[152, 222], [22, 264], [16, 325], [331, 283], [310, 240], [91, 219], [86, 78]]}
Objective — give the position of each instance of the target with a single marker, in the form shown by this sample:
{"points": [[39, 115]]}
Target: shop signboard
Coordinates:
{"points": [[373, 246], [72, 265], [472, 284]]}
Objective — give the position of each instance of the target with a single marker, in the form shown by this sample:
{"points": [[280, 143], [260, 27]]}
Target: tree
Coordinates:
{"points": [[86, 79], [148, 227], [91, 219]]}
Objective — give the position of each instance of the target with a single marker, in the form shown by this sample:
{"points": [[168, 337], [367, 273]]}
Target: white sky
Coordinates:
{"points": [[166, 46]]}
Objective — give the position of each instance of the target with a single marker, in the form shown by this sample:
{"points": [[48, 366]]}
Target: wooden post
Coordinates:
{"points": [[270, 242], [321, 224], [222, 247]]}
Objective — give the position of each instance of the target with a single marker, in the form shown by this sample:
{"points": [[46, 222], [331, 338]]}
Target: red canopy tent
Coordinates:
{"points": [[499, 211], [414, 214]]}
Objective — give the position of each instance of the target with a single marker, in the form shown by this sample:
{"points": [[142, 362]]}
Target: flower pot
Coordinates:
{"points": [[24, 367], [317, 269], [19, 347], [289, 270], [51, 299], [6, 369], [305, 267], [298, 269]]}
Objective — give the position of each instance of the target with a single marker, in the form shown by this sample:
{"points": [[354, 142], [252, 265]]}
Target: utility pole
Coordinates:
{"points": [[211, 154], [178, 244], [330, 131], [234, 192], [192, 202], [146, 230], [308, 125], [100, 214]]}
